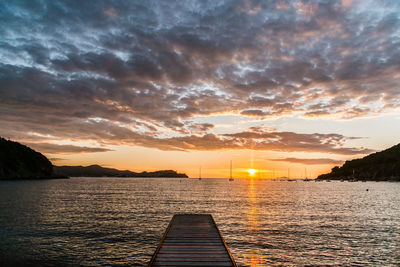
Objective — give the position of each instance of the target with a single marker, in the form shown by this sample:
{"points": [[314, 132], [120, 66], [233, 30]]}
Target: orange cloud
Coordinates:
{"points": [[319, 161], [306, 9], [110, 12]]}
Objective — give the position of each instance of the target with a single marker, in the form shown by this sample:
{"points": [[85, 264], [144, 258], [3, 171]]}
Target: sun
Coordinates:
{"points": [[251, 171]]}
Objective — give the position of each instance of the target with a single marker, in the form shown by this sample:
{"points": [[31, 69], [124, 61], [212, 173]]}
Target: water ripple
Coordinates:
{"points": [[119, 222]]}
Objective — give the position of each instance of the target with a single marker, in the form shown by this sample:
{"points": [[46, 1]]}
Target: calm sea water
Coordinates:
{"points": [[119, 221]]}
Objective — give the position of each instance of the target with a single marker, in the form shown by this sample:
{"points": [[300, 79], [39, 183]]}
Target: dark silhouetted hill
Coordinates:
{"points": [[18, 161], [98, 171], [379, 166]]}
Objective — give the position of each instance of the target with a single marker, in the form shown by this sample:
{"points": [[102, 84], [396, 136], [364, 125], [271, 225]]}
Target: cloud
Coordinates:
{"points": [[56, 159], [319, 161], [64, 149], [147, 69], [254, 112], [110, 12], [256, 138]]}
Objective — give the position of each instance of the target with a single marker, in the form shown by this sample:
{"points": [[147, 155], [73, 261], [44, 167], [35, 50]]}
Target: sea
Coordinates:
{"points": [[120, 221]]}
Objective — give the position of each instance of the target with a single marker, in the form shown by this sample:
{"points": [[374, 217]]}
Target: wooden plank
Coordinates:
{"points": [[198, 259], [182, 255], [192, 240], [197, 248], [194, 250], [191, 263]]}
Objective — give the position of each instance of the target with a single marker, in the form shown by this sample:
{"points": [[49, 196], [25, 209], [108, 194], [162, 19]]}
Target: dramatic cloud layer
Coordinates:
{"points": [[139, 72]]}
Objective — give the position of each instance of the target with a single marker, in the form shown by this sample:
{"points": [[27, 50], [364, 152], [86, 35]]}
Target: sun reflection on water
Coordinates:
{"points": [[254, 258], [253, 220]]}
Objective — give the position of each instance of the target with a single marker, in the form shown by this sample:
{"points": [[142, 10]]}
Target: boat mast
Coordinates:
{"points": [[231, 169]]}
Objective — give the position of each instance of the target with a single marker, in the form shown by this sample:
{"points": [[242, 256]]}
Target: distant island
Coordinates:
{"points": [[98, 171], [379, 166], [18, 161]]}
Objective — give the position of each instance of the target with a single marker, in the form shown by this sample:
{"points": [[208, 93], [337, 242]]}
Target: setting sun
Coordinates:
{"points": [[252, 171]]}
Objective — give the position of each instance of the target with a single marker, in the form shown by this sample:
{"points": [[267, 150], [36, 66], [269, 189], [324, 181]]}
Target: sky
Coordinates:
{"points": [[289, 88]]}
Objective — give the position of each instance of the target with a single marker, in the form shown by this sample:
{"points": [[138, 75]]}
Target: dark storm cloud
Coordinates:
{"points": [[147, 68]]}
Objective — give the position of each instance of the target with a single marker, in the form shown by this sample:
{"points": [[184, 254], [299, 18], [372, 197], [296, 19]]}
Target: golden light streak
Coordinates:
{"points": [[254, 258]]}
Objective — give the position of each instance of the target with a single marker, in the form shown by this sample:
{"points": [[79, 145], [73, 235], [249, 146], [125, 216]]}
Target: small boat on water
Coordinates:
{"points": [[231, 179], [200, 173], [305, 175]]}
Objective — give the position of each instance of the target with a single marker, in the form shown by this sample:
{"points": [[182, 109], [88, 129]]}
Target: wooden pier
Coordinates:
{"points": [[192, 240]]}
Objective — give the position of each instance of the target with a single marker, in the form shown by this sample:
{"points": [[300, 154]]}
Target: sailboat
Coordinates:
{"points": [[305, 174], [200, 173], [231, 179]]}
